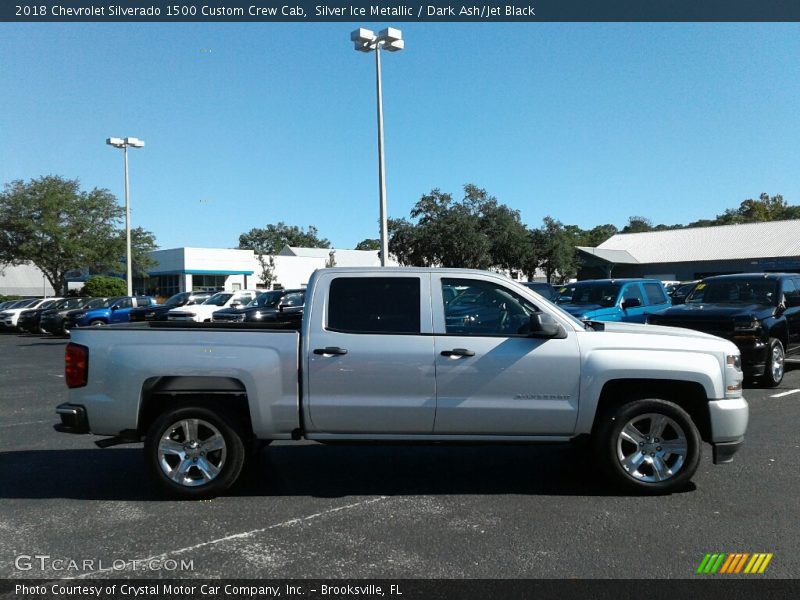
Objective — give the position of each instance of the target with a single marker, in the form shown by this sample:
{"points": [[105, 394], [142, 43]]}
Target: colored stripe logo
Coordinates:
{"points": [[734, 564]]}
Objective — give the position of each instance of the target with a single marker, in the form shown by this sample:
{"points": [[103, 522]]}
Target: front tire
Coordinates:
{"points": [[649, 446], [97, 323], [195, 452], [773, 373]]}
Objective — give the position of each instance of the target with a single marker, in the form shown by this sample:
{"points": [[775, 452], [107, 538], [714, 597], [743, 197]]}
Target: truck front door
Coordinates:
{"points": [[491, 378], [370, 365]]}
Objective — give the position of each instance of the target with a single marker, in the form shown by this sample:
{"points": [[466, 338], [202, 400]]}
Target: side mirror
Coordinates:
{"points": [[631, 303], [792, 301], [115, 307], [235, 304], [543, 325]]}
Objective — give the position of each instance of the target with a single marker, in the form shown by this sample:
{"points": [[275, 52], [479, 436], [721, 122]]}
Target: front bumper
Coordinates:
{"points": [[754, 355], [73, 419], [729, 420]]}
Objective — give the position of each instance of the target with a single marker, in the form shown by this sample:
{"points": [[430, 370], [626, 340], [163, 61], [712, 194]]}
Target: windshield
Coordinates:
{"points": [[178, 299], [268, 300], [23, 303], [733, 291], [70, 303], [603, 294], [218, 299], [100, 303]]}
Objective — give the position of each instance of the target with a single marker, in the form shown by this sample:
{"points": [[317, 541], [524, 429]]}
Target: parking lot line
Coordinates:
{"points": [[26, 423], [785, 393], [239, 536]]}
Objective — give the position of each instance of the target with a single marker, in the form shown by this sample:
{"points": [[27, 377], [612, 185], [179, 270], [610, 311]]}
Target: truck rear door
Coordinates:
{"points": [[369, 348]]}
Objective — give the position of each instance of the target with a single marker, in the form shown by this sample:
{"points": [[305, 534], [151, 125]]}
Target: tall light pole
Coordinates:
{"points": [[124, 143], [365, 40]]}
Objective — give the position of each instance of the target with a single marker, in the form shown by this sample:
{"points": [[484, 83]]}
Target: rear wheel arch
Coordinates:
{"points": [[224, 394]]}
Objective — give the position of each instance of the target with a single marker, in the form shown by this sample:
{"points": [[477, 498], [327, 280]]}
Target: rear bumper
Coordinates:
{"points": [[73, 419]]}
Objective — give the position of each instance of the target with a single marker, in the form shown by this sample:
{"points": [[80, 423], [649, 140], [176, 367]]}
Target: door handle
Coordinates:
{"points": [[330, 350], [458, 352]]}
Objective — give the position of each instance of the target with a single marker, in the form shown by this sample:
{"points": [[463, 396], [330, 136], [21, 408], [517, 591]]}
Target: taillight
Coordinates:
{"points": [[76, 365]]}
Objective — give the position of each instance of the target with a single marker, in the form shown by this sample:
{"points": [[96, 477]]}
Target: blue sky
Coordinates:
{"points": [[249, 124]]}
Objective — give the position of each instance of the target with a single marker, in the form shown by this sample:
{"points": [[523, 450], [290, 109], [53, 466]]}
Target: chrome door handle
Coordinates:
{"points": [[330, 350], [458, 352]]}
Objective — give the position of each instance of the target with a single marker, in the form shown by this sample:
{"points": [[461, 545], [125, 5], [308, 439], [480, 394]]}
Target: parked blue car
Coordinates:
{"points": [[117, 311], [629, 300]]}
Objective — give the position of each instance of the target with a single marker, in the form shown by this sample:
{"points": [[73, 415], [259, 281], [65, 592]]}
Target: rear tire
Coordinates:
{"points": [[195, 452], [649, 446]]}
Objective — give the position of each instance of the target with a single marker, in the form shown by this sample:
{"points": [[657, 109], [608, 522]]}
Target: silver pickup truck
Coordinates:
{"points": [[412, 355]]}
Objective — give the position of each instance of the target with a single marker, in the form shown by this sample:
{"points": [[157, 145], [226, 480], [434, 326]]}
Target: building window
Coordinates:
{"points": [[208, 283], [165, 285]]}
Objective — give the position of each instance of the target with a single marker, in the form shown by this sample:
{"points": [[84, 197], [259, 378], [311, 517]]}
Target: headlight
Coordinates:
{"points": [[746, 324], [733, 375]]}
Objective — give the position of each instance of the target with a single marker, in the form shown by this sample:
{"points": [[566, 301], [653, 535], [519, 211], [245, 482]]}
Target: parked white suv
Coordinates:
{"points": [[201, 313]]}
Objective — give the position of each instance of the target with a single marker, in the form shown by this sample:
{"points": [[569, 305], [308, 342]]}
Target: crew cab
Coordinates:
{"points": [[759, 312], [630, 300], [117, 311], [391, 355]]}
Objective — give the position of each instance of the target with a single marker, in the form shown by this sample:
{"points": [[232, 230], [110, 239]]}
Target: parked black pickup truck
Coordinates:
{"points": [[759, 312]]}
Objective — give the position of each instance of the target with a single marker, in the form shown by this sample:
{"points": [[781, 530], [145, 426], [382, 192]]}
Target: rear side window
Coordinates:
{"points": [[374, 305], [655, 293]]}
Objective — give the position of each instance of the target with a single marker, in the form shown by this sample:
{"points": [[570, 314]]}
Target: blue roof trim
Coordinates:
{"points": [[200, 272]]}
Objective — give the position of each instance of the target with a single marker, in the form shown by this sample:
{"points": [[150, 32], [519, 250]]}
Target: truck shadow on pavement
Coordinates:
{"points": [[320, 471]]}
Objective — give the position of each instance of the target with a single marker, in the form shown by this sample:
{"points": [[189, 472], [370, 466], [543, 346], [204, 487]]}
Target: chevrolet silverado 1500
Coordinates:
{"points": [[411, 355]]}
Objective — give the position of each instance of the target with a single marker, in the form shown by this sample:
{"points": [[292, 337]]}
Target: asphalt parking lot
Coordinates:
{"points": [[313, 511]]}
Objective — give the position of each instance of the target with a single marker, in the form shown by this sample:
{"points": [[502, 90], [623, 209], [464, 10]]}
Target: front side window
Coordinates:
{"points": [[484, 308], [374, 305], [632, 292]]}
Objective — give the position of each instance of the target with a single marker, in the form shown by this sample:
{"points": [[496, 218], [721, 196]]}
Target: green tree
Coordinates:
{"points": [[476, 232], [766, 208], [369, 244], [556, 250], [104, 286], [53, 224], [597, 235], [272, 238], [267, 264], [142, 243], [638, 225]]}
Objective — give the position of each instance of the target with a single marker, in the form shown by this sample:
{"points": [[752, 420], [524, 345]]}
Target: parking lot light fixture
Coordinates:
{"points": [[124, 144], [365, 40]]}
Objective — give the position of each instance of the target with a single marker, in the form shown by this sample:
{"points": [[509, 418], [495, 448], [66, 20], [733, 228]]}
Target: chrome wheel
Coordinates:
{"points": [[652, 448], [192, 452], [776, 363]]}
